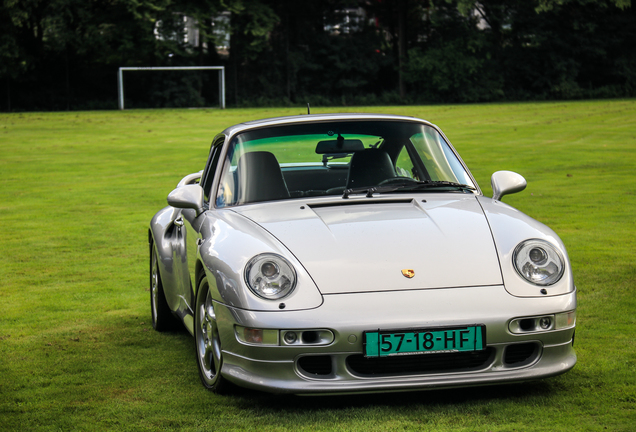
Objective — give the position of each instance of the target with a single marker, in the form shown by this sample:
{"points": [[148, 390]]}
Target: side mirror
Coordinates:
{"points": [[187, 197], [505, 183]]}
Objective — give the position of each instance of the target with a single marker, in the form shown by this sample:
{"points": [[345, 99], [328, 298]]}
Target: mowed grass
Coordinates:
{"points": [[77, 350]]}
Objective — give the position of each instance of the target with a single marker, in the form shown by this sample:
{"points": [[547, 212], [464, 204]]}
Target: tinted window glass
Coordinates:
{"points": [[208, 174], [287, 162]]}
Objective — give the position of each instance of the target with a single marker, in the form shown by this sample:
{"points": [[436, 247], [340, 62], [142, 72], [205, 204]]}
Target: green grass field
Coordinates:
{"points": [[77, 350]]}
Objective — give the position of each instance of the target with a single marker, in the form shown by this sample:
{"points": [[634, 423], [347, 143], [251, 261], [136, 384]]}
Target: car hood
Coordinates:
{"points": [[363, 244]]}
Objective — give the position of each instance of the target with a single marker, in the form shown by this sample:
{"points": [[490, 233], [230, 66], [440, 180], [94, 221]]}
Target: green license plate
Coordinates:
{"points": [[384, 343]]}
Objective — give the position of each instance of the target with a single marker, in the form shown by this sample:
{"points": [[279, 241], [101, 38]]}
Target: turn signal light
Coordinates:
{"points": [[254, 336]]}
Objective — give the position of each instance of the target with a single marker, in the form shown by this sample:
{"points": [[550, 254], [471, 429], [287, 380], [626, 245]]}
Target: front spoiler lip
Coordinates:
{"points": [[234, 369]]}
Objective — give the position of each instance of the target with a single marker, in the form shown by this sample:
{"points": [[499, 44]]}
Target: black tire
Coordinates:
{"points": [[207, 342], [162, 318]]}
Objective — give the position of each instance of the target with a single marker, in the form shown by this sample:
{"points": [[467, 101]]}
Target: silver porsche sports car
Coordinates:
{"points": [[346, 253]]}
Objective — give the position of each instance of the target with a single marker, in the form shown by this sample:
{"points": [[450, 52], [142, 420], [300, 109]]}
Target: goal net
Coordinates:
{"points": [[120, 78]]}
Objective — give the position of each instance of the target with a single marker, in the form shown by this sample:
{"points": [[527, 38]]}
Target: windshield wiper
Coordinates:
{"points": [[406, 185], [426, 184], [370, 190]]}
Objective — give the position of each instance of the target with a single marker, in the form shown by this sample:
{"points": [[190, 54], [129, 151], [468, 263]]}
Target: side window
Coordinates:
{"points": [[208, 175], [226, 192]]}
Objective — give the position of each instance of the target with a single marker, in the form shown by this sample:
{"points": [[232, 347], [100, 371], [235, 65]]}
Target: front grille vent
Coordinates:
{"points": [[419, 364], [315, 365], [519, 354]]}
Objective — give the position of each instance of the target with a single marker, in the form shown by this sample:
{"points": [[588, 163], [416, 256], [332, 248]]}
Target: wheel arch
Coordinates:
{"points": [[161, 257], [199, 274]]}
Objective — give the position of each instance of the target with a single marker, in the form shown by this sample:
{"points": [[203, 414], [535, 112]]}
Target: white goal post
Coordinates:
{"points": [[120, 79]]}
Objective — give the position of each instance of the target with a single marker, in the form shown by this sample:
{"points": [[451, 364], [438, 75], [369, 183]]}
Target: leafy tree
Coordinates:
{"points": [[64, 54], [520, 50], [455, 63]]}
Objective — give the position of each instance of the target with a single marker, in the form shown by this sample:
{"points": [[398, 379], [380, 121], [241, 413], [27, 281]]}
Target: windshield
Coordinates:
{"points": [[315, 159]]}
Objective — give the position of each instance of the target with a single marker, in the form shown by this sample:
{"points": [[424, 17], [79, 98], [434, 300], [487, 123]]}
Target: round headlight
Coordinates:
{"points": [[269, 269], [538, 262], [270, 276]]}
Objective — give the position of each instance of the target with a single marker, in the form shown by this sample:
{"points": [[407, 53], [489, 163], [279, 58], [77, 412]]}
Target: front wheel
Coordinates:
{"points": [[208, 341]]}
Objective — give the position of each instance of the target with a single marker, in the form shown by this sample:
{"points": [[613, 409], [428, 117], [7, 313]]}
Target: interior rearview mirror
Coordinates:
{"points": [[339, 145]]}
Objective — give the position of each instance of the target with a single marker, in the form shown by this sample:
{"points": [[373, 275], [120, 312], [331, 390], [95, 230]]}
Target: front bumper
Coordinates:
{"points": [[280, 369]]}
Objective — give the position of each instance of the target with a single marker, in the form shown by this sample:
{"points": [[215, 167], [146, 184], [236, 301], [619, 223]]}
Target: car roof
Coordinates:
{"points": [[316, 118]]}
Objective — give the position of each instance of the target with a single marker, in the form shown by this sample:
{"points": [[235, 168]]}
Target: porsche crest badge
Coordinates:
{"points": [[408, 273]]}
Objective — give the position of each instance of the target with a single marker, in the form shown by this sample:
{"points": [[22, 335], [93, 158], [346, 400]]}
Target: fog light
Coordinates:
{"points": [[526, 324], [310, 337], [545, 323], [532, 324], [290, 337]]}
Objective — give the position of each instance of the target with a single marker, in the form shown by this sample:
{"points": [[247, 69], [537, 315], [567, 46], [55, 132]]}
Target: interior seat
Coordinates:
{"points": [[260, 178], [369, 168]]}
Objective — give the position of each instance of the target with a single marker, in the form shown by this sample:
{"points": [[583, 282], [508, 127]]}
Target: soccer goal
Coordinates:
{"points": [[120, 78]]}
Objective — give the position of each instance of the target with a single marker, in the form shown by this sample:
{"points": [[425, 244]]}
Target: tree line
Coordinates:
{"points": [[64, 54]]}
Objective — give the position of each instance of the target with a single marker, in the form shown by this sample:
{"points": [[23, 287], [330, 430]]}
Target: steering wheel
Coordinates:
{"points": [[398, 180]]}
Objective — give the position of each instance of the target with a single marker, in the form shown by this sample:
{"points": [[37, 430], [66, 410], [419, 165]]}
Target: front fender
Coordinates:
{"points": [[510, 227], [230, 241], [169, 241]]}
